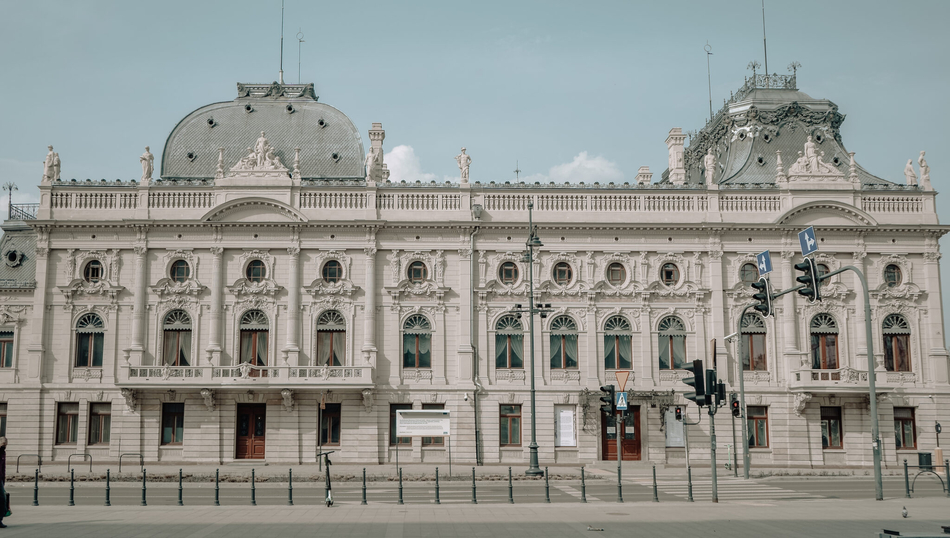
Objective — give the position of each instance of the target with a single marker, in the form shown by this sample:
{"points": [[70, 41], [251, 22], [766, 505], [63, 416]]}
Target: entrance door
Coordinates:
{"points": [[251, 425], [629, 435]]}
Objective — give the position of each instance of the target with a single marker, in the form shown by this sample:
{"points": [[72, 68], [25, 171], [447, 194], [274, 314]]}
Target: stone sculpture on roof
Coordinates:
{"points": [[260, 158], [51, 166], [147, 160], [909, 172], [810, 162], [924, 170], [709, 161], [464, 161]]}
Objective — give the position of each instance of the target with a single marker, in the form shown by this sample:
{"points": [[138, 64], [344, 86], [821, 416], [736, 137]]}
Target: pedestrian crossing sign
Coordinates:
{"points": [[621, 401]]}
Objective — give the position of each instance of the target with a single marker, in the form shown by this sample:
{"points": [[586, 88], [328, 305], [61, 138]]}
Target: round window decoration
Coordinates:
{"points": [[92, 273], [893, 276], [180, 271], [418, 273], [256, 271], [508, 273], [563, 273], [332, 272], [616, 274], [749, 273], [670, 274], [13, 258]]}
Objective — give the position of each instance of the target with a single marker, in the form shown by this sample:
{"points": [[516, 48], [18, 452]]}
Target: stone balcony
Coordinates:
{"points": [[244, 375], [848, 380]]}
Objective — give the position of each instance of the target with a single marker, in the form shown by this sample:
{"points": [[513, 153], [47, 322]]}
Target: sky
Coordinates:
{"points": [[561, 90]]}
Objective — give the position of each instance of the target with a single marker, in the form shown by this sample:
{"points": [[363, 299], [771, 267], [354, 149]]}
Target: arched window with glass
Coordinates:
{"points": [[896, 343], [672, 343], [509, 343], [332, 272], [893, 276], [417, 342], [92, 272], [563, 342], [824, 342], [618, 348], [176, 330], [331, 339], [179, 271], [748, 273], [254, 329], [753, 343], [90, 336], [256, 271], [417, 272]]}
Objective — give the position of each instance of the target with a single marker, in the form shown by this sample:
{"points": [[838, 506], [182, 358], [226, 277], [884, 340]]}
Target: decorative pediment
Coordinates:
{"points": [[407, 288], [79, 287], [243, 287], [167, 287], [826, 213], [253, 210], [343, 286], [399, 263]]}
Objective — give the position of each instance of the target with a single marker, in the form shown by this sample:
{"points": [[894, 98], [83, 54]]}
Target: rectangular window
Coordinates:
{"points": [[510, 425], [433, 441], [758, 417], [100, 423], [177, 351], [67, 423], [416, 351], [393, 440], [831, 432], [905, 431], [896, 352], [563, 351], [824, 351], [755, 347], [173, 423], [6, 349], [617, 347], [672, 347], [330, 425], [89, 350], [509, 349], [3, 419], [330, 348]]}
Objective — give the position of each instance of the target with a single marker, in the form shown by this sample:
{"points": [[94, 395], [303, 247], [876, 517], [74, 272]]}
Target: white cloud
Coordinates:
{"points": [[404, 165], [587, 169]]}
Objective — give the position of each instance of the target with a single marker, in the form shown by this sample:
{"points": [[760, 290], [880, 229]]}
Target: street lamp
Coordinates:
{"points": [[532, 243]]}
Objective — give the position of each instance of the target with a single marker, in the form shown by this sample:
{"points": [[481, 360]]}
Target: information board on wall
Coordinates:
{"points": [[564, 431], [422, 423]]}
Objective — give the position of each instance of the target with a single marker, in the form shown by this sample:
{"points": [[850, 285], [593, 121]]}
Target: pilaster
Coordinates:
{"points": [[213, 350], [291, 351]]}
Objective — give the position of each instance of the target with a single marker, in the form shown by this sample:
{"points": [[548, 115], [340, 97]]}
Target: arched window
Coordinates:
{"points": [[892, 276], [254, 328], [618, 352], [616, 274], [331, 339], [509, 343], [417, 342], [670, 274], [563, 342], [256, 271], [508, 273], [92, 273], [749, 273], [89, 339], [332, 272], [824, 342], [896, 344], [179, 271], [417, 273], [177, 336], [753, 343], [563, 273], [672, 343]]}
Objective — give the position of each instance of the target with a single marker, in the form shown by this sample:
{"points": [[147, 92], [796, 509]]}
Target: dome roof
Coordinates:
{"points": [[330, 145]]}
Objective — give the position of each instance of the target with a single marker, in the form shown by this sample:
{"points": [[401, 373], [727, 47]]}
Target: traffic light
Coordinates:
{"points": [[763, 295], [679, 413], [735, 404], [608, 400], [710, 387], [696, 381], [720, 393], [810, 279]]}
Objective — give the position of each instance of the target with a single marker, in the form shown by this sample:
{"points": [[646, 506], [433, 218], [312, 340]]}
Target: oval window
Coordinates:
{"points": [[180, 271], [332, 271], [256, 271], [616, 274], [508, 273]]}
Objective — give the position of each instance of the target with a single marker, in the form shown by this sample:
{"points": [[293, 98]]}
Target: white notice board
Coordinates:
{"points": [[564, 431], [422, 423]]}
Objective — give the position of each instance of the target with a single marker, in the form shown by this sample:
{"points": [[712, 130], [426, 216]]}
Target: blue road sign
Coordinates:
{"points": [[764, 261], [807, 238], [621, 401]]}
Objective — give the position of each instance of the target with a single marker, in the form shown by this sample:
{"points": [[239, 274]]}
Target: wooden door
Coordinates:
{"points": [[251, 427], [629, 435]]}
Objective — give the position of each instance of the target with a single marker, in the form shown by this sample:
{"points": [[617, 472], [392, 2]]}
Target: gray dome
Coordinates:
{"points": [[330, 145]]}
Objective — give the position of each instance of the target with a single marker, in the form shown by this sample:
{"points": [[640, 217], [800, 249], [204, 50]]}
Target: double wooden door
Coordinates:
{"points": [[628, 431], [251, 427]]}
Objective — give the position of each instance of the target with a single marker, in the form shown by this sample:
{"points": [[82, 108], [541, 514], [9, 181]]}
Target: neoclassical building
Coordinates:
{"points": [[271, 292]]}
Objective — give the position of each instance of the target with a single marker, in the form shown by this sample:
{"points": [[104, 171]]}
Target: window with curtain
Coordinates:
{"points": [[177, 336], [509, 425], [563, 342], [672, 343], [173, 423], [417, 342], [758, 419], [905, 431], [824, 342], [753, 343], [6, 349], [100, 423], [67, 423], [89, 340], [254, 328], [896, 343], [331, 339], [509, 343], [618, 351]]}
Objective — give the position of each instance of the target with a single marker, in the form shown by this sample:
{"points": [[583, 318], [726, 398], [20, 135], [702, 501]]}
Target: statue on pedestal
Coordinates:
{"points": [[147, 160], [909, 173], [464, 161], [924, 170], [51, 166], [709, 162]]}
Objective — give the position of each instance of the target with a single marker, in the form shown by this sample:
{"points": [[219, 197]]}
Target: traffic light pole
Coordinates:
{"points": [[742, 417], [712, 451]]}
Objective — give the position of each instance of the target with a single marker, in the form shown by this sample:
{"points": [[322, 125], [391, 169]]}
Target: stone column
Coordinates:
{"points": [[861, 340], [465, 348], [719, 329], [291, 351], [138, 306], [369, 309], [789, 321], [213, 350], [933, 329]]}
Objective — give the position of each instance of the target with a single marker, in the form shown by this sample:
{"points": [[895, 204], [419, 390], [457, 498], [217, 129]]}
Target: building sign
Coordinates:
{"points": [[422, 423]]}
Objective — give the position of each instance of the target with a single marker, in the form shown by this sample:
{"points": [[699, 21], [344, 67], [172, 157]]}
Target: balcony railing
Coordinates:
{"points": [[245, 374], [22, 211]]}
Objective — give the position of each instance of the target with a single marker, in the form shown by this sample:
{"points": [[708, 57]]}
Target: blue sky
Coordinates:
{"points": [[581, 90]]}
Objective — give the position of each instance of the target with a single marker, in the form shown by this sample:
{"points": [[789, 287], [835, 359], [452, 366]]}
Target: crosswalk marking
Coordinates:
{"points": [[730, 489], [575, 493]]}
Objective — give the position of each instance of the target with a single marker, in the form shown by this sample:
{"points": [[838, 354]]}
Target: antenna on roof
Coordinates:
{"points": [[281, 41], [709, 77], [517, 170], [299, 41], [764, 43]]}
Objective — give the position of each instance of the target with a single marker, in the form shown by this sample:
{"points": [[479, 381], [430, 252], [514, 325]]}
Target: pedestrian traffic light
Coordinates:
{"points": [[696, 381], [810, 279], [679, 413], [608, 400], [710, 387], [720, 394], [735, 404], [763, 295]]}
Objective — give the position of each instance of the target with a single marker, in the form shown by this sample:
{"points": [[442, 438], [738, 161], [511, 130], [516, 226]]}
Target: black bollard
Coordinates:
{"points": [[290, 487], [583, 487], [364, 486], [216, 502], [253, 491], [511, 489], [72, 489], [619, 483], [36, 488], [180, 503], [108, 490], [437, 501], [656, 498], [400, 486], [143, 488], [547, 487], [474, 499], [689, 483], [906, 480]]}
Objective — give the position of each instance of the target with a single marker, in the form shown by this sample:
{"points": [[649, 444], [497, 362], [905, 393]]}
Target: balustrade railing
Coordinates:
{"points": [[750, 202], [245, 373], [597, 202], [333, 200], [892, 204], [180, 200], [419, 202], [94, 200]]}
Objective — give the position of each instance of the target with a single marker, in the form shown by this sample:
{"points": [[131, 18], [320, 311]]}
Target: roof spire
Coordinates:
{"points": [[281, 73], [764, 43]]}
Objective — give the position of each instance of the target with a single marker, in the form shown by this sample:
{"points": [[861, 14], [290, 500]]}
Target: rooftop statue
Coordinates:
{"points": [[810, 162], [262, 157], [147, 160], [464, 161], [51, 166], [924, 170], [709, 162], [909, 172]]}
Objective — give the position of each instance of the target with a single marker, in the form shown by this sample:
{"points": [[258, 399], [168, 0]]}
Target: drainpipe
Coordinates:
{"points": [[478, 385]]}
